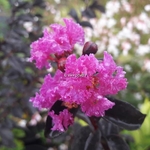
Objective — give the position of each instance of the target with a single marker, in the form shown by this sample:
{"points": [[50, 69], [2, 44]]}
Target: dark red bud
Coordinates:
{"points": [[90, 47], [61, 64]]}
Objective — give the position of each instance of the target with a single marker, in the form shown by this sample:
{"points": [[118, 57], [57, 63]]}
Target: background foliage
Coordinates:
{"points": [[122, 27]]}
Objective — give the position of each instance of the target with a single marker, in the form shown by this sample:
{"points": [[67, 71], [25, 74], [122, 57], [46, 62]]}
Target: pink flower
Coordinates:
{"points": [[78, 76], [96, 106], [111, 77], [61, 40], [48, 94], [85, 65], [83, 82], [61, 121], [88, 81]]}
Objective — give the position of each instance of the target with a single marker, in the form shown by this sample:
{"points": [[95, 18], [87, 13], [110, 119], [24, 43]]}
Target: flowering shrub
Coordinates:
{"points": [[120, 27], [80, 85], [84, 82]]}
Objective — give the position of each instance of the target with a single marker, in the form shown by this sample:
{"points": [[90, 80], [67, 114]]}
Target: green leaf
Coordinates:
{"points": [[18, 133]]}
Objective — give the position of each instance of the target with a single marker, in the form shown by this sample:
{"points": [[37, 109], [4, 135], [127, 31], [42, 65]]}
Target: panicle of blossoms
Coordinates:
{"points": [[59, 41], [88, 82], [83, 82]]}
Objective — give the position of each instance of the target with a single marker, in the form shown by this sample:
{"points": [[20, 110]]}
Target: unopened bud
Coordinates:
{"points": [[61, 64], [90, 47]]}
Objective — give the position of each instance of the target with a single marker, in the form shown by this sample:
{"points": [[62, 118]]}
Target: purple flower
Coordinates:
{"points": [[61, 121], [61, 40]]}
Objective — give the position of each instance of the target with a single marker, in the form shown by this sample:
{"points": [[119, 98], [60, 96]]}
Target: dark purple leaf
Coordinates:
{"points": [[48, 126], [17, 111], [31, 134], [25, 17], [88, 141], [12, 2], [97, 6], [21, 5], [16, 64], [124, 115], [16, 87], [100, 8], [115, 142], [35, 147], [80, 138], [89, 13], [86, 119], [21, 31], [86, 24], [16, 44], [74, 14], [6, 136], [8, 123], [107, 128], [39, 3], [13, 35], [104, 143], [128, 138], [93, 141], [84, 140], [10, 75]]}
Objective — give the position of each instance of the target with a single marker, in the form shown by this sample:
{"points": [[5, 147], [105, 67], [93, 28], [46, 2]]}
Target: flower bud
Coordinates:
{"points": [[61, 64], [89, 47]]}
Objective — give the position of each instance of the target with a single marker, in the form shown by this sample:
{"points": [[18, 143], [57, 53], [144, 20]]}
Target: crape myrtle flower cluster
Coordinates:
{"points": [[82, 82]]}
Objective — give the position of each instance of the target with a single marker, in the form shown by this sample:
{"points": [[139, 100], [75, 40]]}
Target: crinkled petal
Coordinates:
{"points": [[61, 121], [57, 121], [61, 37], [74, 31], [73, 90], [60, 40], [108, 63], [40, 101], [81, 67], [49, 91], [41, 50], [96, 106], [111, 77]]}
